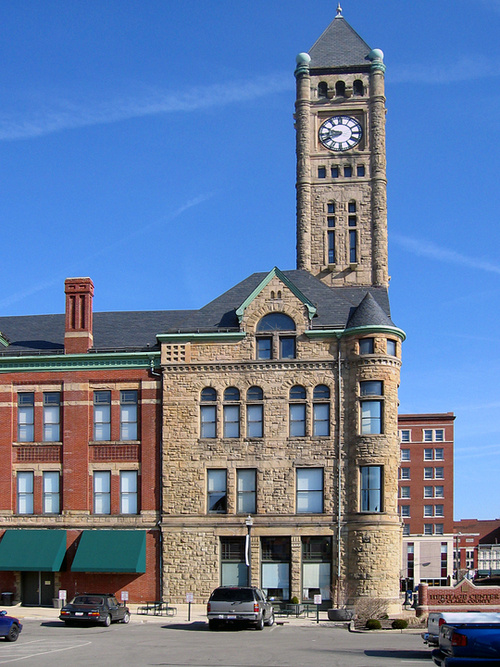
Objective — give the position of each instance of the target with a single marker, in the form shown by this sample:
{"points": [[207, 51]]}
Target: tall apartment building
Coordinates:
{"points": [[426, 497], [279, 453]]}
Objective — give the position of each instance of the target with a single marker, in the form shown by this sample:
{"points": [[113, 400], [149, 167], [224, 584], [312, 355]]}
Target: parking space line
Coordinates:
{"points": [[17, 651]]}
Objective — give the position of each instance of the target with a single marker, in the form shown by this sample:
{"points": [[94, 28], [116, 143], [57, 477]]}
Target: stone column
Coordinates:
{"points": [[303, 185], [378, 169]]}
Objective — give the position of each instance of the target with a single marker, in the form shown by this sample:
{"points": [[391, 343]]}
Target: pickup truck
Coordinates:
{"points": [[468, 645], [437, 619]]}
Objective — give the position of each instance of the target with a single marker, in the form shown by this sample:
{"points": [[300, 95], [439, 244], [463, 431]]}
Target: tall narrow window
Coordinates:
{"points": [[216, 491], [275, 576], [331, 246], [297, 411], [321, 172], [51, 416], [102, 415], [25, 492], [234, 570], [340, 89], [371, 488], [322, 89], [246, 491], [255, 413], [309, 490], [128, 492], [366, 346], [321, 410], [358, 88], [208, 413], [25, 417], [353, 247], [51, 502], [128, 414], [102, 492], [231, 413], [371, 411]]}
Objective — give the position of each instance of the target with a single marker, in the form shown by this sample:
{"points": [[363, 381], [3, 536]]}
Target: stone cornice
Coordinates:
{"points": [[254, 366], [79, 362]]}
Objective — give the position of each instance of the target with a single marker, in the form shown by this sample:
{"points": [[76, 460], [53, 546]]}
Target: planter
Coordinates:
{"points": [[340, 614]]}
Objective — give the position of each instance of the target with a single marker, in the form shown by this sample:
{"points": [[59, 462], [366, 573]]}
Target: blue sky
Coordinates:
{"points": [[150, 145]]}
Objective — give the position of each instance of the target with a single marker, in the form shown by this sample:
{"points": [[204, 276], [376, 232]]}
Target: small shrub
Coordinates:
{"points": [[373, 624], [399, 624], [295, 600]]}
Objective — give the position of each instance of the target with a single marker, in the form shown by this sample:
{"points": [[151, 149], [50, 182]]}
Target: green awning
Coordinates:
{"points": [[111, 551], [32, 550]]}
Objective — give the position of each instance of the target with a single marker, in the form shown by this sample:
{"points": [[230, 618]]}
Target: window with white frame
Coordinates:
{"points": [[255, 413], [231, 413], [51, 497], [25, 492], [128, 491], [51, 416], [439, 510], [405, 455], [438, 529], [439, 492], [405, 511], [428, 492], [404, 473], [427, 435], [102, 415], [404, 435], [439, 454], [438, 472], [428, 510], [26, 417], [406, 529], [439, 435], [428, 529], [321, 410], [404, 492], [102, 492], [128, 414], [297, 411], [428, 454], [309, 490], [208, 413], [246, 481]]}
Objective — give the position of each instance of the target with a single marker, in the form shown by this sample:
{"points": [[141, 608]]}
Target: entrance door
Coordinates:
{"points": [[37, 589]]}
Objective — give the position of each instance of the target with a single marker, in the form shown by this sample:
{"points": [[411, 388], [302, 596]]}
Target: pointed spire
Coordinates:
{"points": [[339, 46], [368, 313], [339, 10]]}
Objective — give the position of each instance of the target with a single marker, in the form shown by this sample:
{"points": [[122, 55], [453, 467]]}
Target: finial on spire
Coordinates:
{"points": [[339, 10]]}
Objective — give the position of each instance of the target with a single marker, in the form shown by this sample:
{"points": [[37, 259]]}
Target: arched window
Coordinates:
{"points": [[321, 410], [271, 342], [255, 413], [322, 89], [340, 89], [231, 413], [297, 411], [358, 88], [208, 413]]}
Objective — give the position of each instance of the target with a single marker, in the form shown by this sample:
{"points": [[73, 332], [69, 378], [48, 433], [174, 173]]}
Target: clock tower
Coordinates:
{"points": [[341, 177]]}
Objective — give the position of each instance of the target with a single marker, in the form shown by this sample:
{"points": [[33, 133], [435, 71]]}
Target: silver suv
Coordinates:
{"points": [[237, 604]]}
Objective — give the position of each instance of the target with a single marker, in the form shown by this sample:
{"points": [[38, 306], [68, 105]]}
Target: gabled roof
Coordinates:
{"points": [[339, 46], [311, 309], [329, 307]]}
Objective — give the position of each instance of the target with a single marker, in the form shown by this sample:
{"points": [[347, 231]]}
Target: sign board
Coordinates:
{"points": [[124, 596], [317, 599], [189, 597], [62, 594]]}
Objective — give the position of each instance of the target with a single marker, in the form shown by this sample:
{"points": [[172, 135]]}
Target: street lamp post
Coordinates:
{"points": [[248, 549]]}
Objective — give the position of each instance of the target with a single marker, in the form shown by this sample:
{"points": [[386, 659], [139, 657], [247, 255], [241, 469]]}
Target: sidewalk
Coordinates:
{"points": [[197, 614]]}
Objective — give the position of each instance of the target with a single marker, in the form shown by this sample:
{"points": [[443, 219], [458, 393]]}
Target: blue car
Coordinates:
{"points": [[9, 627]]}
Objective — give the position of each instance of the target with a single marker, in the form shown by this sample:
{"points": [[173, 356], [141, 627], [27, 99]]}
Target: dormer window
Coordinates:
{"points": [[276, 337]]}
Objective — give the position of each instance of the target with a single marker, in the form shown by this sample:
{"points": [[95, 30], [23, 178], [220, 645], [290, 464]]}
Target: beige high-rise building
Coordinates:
{"points": [[280, 439]]}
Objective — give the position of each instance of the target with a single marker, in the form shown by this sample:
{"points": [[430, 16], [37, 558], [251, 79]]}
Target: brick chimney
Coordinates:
{"points": [[78, 337]]}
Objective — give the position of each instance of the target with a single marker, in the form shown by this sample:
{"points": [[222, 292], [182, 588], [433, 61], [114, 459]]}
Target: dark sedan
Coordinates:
{"points": [[95, 608], [9, 627]]}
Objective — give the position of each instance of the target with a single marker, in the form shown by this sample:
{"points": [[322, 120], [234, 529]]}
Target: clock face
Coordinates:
{"points": [[340, 133]]}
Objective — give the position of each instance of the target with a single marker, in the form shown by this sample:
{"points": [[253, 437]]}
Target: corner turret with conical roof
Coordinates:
{"points": [[341, 163]]}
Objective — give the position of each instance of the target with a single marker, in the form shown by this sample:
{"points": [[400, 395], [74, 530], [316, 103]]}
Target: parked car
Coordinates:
{"points": [[239, 604], [437, 618], [95, 608], [9, 627], [468, 645]]}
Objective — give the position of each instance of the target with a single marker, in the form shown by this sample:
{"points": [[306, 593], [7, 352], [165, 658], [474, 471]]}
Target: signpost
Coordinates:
{"points": [[317, 602], [189, 599]]}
